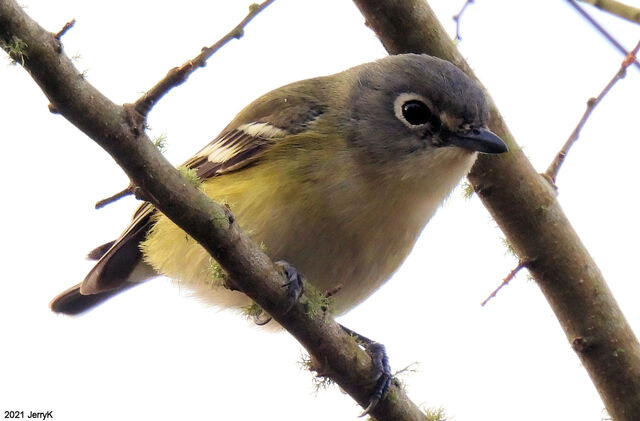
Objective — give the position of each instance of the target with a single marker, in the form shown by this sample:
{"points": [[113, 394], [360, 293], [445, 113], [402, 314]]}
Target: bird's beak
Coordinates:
{"points": [[478, 139]]}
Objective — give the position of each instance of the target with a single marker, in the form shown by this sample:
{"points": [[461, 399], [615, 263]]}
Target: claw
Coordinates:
{"points": [[262, 319], [294, 284], [380, 361]]}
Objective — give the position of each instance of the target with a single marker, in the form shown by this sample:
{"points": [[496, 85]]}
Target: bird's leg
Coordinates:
{"points": [[380, 361], [294, 284]]}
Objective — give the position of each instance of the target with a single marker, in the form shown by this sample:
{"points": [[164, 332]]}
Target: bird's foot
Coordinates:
{"points": [[380, 361], [294, 284]]}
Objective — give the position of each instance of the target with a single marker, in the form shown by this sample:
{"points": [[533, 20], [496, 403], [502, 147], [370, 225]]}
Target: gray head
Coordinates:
{"points": [[427, 103]]}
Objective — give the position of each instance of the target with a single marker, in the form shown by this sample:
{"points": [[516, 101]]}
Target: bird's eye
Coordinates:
{"points": [[416, 112]]}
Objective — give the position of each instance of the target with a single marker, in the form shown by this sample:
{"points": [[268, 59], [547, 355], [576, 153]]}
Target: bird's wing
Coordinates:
{"points": [[234, 149], [241, 143], [289, 110], [230, 151]]}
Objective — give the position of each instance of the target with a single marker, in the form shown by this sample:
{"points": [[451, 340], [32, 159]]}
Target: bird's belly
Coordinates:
{"points": [[349, 262], [343, 243]]}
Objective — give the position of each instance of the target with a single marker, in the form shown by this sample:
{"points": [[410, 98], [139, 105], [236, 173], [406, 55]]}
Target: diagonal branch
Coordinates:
{"points": [[601, 29], [526, 209], [120, 131], [176, 77], [65, 28], [179, 75], [614, 7], [521, 265], [552, 172]]}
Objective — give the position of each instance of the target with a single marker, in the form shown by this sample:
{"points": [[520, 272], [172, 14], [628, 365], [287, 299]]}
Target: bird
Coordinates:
{"points": [[335, 175]]}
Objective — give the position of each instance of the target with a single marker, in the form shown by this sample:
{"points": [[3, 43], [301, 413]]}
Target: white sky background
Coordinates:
{"points": [[154, 353]]}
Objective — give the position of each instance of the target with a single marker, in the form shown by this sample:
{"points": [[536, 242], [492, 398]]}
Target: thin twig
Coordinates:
{"points": [[600, 29], [104, 202], [456, 19], [554, 167], [505, 281], [411, 368], [65, 28], [616, 8], [178, 75]]}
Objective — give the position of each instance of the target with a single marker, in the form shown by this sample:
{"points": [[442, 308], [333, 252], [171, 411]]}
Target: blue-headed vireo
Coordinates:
{"points": [[336, 175]]}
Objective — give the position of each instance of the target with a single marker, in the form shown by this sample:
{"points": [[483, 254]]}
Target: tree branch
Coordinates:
{"points": [[107, 201], [600, 29], [179, 75], [120, 131], [525, 207], [621, 10], [65, 28], [458, 16], [521, 264], [552, 172]]}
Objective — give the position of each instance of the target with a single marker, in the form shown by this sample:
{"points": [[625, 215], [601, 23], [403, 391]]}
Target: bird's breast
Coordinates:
{"points": [[344, 228]]}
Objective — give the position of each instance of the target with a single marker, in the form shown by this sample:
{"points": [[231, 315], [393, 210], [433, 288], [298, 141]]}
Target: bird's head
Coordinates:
{"points": [[413, 104]]}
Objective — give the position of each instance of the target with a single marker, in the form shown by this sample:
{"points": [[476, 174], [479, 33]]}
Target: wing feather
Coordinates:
{"points": [[230, 151], [235, 149], [252, 133]]}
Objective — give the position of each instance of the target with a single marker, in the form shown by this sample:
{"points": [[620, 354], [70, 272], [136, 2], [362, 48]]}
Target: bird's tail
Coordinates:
{"points": [[72, 302], [119, 267]]}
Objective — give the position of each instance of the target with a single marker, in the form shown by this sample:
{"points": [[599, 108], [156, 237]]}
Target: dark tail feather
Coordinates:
{"points": [[119, 267], [117, 263], [71, 302], [99, 251]]}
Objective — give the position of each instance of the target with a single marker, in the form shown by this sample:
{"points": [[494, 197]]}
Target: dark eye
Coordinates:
{"points": [[416, 112]]}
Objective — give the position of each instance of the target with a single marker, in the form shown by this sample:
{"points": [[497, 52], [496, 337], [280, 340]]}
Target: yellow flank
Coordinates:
{"points": [[344, 225], [260, 197]]}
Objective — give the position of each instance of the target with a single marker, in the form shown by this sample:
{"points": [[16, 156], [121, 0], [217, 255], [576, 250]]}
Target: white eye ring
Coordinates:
{"points": [[404, 98]]}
